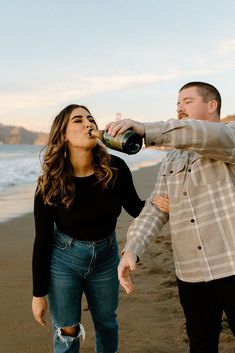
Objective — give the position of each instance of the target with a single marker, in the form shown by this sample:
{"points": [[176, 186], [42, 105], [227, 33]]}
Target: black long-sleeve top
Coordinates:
{"points": [[92, 217]]}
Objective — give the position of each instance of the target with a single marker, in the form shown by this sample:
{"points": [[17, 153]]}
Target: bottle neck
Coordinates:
{"points": [[97, 133]]}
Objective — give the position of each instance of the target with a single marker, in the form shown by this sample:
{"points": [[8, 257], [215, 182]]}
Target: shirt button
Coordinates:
{"points": [[171, 171], [189, 170], [185, 193], [199, 247], [192, 220]]}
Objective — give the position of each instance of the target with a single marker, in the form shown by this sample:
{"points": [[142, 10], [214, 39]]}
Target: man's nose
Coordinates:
{"points": [[179, 108]]}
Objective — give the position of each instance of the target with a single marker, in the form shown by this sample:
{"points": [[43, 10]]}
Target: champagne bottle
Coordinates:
{"points": [[129, 142]]}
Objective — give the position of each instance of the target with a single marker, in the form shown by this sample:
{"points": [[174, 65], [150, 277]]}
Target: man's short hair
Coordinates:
{"points": [[207, 91]]}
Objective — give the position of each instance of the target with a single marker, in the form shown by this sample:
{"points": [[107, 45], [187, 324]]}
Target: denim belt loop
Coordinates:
{"points": [[70, 242], [111, 239]]}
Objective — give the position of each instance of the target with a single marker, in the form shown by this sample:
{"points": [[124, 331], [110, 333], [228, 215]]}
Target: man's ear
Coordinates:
{"points": [[212, 106]]}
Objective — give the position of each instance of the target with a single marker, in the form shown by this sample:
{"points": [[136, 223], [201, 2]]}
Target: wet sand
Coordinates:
{"points": [[151, 319]]}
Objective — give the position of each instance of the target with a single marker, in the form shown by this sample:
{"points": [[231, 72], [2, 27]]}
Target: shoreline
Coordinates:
{"points": [[16, 202]]}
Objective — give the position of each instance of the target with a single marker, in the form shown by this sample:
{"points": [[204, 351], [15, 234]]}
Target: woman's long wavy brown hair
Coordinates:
{"points": [[56, 184]]}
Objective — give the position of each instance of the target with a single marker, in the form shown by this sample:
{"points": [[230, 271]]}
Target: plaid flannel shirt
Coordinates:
{"points": [[198, 177]]}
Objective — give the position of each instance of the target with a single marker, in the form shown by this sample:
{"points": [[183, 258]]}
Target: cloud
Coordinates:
{"points": [[34, 105], [84, 86], [81, 87]]}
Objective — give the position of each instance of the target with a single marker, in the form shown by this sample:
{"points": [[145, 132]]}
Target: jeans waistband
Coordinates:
{"points": [[58, 233]]}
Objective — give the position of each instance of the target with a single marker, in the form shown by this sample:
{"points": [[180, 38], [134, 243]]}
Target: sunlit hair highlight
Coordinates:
{"points": [[56, 184]]}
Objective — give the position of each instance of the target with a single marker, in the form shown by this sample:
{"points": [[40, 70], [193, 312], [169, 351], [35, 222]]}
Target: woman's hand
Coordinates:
{"points": [[39, 307], [162, 202]]}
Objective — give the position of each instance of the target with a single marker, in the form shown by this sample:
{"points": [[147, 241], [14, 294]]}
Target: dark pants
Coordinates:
{"points": [[203, 305]]}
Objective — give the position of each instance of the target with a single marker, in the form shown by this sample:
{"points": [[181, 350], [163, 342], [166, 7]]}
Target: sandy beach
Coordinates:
{"points": [[151, 319]]}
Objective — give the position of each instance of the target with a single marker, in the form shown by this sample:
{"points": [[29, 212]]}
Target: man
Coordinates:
{"points": [[198, 177]]}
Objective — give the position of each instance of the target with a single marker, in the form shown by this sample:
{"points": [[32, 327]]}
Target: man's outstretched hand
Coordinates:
{"points": [[126, 266]]}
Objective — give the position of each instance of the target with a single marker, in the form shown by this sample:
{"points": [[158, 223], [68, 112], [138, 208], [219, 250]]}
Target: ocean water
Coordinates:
{"points": [[19, 164], [20, 167]]}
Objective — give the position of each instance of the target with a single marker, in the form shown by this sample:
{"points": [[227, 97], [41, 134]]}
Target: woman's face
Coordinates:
{"points": [[76, 132]]}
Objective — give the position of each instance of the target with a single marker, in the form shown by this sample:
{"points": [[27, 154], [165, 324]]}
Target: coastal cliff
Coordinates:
{"points": [[18, 135]]}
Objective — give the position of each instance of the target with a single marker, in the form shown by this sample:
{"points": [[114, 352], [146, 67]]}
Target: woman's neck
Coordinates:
{"points": [[82, 164]]}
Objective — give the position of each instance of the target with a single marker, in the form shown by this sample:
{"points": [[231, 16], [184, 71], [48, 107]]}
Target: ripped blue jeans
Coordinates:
{"points": [[79, 267]]}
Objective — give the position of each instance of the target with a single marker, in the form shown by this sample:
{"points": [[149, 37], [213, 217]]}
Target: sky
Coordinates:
{"points": [[114, 56]]}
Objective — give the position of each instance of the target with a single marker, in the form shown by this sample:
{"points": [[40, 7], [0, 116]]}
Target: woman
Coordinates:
{"points": [[77, 202]]}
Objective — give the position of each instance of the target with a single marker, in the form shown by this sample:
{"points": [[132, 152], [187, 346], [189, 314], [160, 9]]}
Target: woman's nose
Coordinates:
{"points": [[87, 123]]}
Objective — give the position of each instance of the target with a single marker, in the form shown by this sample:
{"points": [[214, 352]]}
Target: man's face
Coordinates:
{"points": [[191, 106]]}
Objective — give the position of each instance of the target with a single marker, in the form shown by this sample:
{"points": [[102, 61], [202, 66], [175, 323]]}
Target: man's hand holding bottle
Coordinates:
{"points": [[126, 124]]}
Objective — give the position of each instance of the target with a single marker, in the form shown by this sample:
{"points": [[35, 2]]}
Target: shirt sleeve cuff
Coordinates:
{"points": [[153, 134]]}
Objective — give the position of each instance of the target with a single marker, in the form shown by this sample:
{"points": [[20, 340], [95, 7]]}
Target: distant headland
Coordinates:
{"points": [[13, 135]]}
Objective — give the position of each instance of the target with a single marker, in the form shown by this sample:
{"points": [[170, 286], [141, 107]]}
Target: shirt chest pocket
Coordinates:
{"points": [[175, 176], [173, 169], [207, 172]]}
